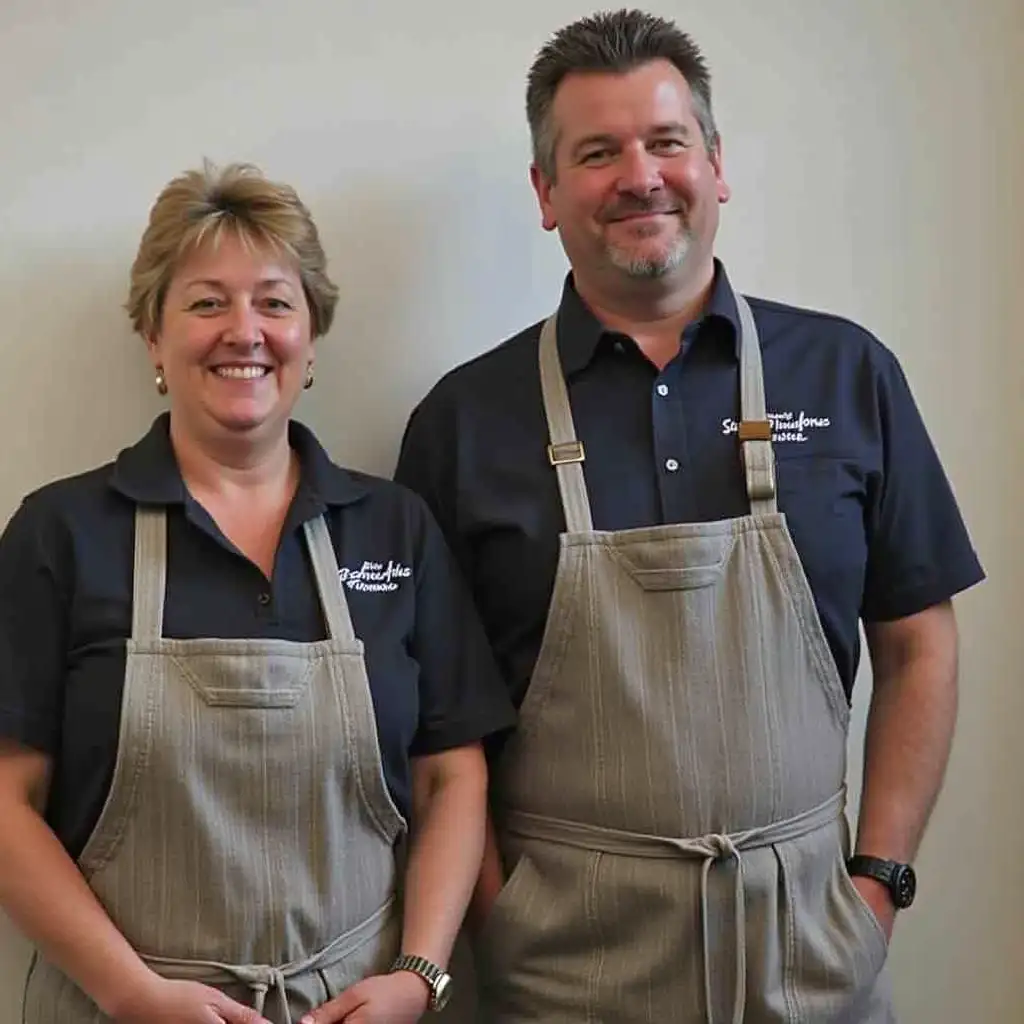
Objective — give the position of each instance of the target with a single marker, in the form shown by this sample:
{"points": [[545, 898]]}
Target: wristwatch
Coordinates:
{"points": [[438, 981], [899, 879]]}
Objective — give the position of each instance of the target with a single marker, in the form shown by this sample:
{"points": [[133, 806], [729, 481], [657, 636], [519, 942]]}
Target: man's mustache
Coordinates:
{"points": [[633, 206]]}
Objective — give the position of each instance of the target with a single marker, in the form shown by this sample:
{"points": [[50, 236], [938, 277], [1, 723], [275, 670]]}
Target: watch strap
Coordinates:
{"points": [[872, 867], [436, 977], [899, 879]]}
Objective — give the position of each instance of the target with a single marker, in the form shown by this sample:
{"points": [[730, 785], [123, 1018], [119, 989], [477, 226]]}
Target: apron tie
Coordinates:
{"points": [[710, 849], [262, 979], [717, 848]]}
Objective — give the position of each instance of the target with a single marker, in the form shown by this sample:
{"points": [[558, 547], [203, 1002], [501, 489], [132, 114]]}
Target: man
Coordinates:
{"points": [[672, 548]]}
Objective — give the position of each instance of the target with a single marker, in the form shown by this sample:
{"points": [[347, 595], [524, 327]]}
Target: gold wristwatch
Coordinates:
{"points": [[438, 981]]}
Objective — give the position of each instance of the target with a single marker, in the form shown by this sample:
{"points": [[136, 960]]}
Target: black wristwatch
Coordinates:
{"points": [[899, 879]]}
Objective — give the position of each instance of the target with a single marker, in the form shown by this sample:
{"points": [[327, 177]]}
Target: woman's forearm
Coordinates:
{"points": [[490, 881], [444, 857], [46, 897]]}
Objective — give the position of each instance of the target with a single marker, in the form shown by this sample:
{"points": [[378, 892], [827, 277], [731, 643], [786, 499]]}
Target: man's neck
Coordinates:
{"points": [[652, 312]]}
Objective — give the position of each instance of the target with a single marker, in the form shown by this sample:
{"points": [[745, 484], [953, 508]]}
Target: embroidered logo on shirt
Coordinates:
{"points": [[787, 426], [375, 577]]}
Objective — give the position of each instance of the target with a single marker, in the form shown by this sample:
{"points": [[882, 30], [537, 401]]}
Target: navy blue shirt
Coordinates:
{"points": [[870, 510], [66, 595]]}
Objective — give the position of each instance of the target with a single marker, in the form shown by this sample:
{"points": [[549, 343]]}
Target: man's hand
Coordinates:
{"points": [[183, 1002], [878, 899], [399, 998]]}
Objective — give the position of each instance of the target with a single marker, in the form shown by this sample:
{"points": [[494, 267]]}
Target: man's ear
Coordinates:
{"points": [[542, 186], [715, 156]]}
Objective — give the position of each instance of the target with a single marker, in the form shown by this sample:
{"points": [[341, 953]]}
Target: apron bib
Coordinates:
{"points": [[671, 807], [248, 838]]}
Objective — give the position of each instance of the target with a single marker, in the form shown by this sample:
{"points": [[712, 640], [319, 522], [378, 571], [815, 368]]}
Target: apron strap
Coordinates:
{"points": [[755, 430], [150, 572], [150, 576], [565, 452], [325, 568]]}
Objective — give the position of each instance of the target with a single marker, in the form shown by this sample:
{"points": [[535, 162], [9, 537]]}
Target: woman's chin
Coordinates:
{"points": [[247, 420]]}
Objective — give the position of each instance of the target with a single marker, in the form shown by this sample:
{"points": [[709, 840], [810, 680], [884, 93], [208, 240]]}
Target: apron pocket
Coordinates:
{"points": [[507, 942], [835, 949], [862, 904], [644, 561], [260, 687], [503, 900]]}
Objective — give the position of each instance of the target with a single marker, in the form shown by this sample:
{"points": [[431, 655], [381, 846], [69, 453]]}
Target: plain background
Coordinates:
{"points": [[873, 148]]}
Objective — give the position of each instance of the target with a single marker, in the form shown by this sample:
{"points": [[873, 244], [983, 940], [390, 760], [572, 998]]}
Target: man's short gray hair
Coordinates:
{"points": [[611, 42]]}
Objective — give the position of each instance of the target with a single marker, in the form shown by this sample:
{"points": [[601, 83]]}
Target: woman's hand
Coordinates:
{"points": [[399, 998], [183, 1002]]}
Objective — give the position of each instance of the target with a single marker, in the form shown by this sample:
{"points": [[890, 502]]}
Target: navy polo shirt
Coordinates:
{"points": [[66, 595], [869, 508]]}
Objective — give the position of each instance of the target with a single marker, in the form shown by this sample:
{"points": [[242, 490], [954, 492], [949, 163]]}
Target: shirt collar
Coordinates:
{"points": [[147, 472], [580, 332]]}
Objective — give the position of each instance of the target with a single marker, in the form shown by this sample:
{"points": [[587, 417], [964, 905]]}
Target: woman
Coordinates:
{"points": [[230, 673]]}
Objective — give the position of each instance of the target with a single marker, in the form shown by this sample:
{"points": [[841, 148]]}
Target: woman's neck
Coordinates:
{"points": [[226, 466]]}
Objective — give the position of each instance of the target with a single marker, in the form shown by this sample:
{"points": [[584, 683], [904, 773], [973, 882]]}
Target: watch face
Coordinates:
{"points": [[442, 992], [904, 886]]}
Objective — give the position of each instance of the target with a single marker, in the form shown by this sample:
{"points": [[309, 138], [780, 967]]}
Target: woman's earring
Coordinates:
{"points": [[161, 382], [309, 377]]}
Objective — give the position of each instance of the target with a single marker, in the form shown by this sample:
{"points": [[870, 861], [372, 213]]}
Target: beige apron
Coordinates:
{"points": [[247, 841], [672, 804]]}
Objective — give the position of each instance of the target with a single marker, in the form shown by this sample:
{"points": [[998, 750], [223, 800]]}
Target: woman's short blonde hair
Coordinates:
{"points": [[197, 208]]}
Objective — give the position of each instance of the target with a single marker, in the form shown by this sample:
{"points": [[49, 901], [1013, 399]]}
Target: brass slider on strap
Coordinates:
{"points": [[755, 430], [763, 489], [563, 454]]}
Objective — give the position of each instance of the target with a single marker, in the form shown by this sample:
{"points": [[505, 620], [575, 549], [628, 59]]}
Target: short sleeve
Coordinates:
{"points": [[919, 551], [426, 465], [462, 696], [33, 628]]}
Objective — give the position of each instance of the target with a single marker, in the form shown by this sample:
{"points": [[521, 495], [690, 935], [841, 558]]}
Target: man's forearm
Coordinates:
{"points": [[909, 731]]}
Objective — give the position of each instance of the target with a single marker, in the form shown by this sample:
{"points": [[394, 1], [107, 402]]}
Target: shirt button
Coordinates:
{"points": [[663, 390], [264, 598], [671, 465]]}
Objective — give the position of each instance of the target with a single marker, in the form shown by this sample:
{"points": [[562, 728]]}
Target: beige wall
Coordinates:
{"points": [[874, 148]]}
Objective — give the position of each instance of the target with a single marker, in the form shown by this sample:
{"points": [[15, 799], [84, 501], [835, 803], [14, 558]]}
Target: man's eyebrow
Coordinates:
{"points": [[593, 140], [672, 128], [605, 139]]}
